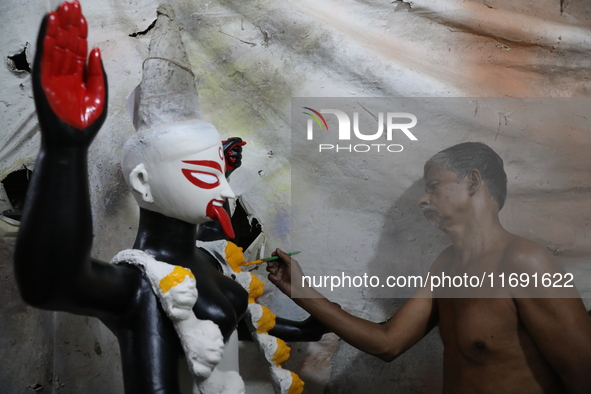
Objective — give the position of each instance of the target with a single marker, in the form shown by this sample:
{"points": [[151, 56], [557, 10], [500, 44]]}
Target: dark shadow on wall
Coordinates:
{"points": [[408, 245], [26, 334], [44, 351]]}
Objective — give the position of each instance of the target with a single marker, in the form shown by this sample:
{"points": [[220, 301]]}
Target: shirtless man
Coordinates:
{"points": [[508, 344]]}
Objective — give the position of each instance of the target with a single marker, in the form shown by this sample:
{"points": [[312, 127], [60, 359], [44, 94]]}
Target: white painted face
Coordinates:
{"points": [[181, 173], [193, 187]]}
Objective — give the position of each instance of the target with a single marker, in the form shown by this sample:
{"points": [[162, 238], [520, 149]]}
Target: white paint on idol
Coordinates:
{"points": [[177, 170], [180, 299], [282, 377], [217, 249], [138, 179], [222, 382], [256, 312], [244, 279], [202, 340], [203, 344], [268, 344]]}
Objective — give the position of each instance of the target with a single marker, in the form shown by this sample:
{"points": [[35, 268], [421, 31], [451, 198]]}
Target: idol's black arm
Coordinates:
{"points": [[52, 257], [308, 330]]}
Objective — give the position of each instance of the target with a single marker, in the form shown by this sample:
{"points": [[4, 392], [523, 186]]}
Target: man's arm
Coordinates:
{"points": [[560, 327], [52, 257], [387, 341]]}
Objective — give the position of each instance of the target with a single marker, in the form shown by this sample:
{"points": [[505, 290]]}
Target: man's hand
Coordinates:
{"points": [[233, 153], [70, 96], [285, 273]]}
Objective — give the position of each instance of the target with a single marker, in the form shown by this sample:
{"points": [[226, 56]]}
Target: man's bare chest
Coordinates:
{"points": [[479, 329]]}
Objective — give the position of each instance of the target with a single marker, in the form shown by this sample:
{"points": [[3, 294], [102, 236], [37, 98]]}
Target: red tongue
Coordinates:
{"points": [[218, 213]]}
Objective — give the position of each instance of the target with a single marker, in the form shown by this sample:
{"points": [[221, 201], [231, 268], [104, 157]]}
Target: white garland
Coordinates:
{"points": [[201, 340], [281, 378]]}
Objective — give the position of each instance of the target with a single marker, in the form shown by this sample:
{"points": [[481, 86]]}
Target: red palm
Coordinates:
{"points": [[75, 93]]}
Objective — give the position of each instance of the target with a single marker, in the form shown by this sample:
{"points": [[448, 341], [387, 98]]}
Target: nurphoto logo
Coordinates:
{"points": [[396, 124]]}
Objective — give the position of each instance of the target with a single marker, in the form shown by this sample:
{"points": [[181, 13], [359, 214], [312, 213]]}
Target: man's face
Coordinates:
{"points": [[444, 196]]}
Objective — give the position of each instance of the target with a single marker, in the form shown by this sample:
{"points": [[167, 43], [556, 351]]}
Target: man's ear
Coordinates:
{"points": [[474, 181], [139, 180]]}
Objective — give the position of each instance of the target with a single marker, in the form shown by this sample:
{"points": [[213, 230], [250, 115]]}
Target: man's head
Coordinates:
{"points": [[471, 165], [467, 156], [178, 170]]}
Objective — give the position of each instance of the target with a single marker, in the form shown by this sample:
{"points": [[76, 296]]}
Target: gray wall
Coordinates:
{"points": [[251, 57]]}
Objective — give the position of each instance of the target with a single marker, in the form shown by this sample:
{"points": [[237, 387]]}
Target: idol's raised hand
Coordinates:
{"points": [[70, 93]]}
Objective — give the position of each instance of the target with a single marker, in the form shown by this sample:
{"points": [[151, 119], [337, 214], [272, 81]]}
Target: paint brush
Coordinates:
{"points": [[272, 258]]}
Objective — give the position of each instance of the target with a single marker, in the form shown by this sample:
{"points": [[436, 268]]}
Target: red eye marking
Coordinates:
{"points": [[205, 163], [202, 179], [221, 153]]}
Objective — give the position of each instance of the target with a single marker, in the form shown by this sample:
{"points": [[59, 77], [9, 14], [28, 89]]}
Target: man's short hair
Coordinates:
{"points": [[465, 157]]}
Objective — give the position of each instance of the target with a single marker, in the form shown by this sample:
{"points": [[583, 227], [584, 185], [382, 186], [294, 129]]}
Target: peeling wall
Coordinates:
{"points": [[251, 57]]}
